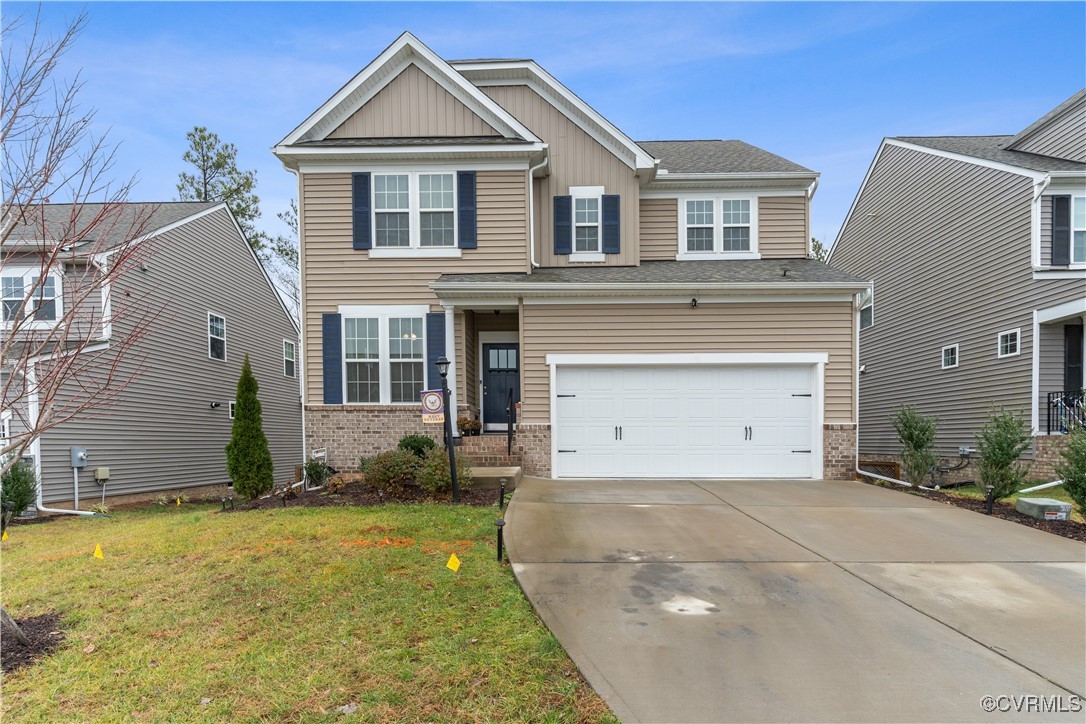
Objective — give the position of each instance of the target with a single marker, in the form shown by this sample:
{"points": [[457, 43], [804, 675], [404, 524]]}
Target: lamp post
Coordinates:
{"points": [[442, 364]]}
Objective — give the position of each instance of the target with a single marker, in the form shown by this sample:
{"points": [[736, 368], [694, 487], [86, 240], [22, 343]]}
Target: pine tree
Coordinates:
{"points": [[248, 459]]}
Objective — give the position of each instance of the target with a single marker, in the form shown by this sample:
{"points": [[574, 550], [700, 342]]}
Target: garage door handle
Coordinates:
{"points": [[801, 451], [808, 394], [562, 451]]}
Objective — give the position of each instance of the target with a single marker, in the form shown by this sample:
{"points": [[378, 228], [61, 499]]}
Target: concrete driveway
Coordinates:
{"points": [[801, 601]]}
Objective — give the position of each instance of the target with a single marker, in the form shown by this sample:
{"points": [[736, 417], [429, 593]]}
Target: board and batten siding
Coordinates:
{"points": [[947, 244], [162, 434], [667, 327], [334, 273], [413, 105], [1063, 137], [576, 159]]}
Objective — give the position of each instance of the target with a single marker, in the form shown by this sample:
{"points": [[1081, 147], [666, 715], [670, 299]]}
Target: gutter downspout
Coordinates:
{"points": [[531, 210], [891, 480]]}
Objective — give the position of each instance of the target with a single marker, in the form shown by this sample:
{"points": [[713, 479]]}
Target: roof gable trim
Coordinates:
{"points": [[1046, 120]]}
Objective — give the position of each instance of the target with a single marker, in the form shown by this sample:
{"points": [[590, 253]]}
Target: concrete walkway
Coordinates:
{"points": [[801, 601]]}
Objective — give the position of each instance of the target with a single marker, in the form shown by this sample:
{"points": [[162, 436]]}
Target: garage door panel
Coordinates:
{"points": [[685, 421]]}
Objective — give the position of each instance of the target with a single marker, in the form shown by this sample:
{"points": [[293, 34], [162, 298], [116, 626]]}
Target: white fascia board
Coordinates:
{"points": [[745, 191], [399, 165], [545, 81], [1035, 175], [642, 289], [288, 152], [1075, 307], [690, 358], [103, 258], [335, 108], [702, 299]]}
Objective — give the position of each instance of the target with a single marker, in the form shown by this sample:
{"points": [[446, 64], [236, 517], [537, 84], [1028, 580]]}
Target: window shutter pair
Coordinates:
{"points": [[609, 216], [1061, 230], [362, 234], [332, 353]]}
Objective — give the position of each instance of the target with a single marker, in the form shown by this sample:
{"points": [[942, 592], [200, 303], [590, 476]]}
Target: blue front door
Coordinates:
{"points": [[501, 375]]}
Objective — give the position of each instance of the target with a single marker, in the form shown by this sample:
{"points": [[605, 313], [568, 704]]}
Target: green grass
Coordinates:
{"points": [[1056, 493], [283, 614]]}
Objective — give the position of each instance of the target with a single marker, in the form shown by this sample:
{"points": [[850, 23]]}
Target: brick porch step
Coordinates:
{"points": [[489, 478]]}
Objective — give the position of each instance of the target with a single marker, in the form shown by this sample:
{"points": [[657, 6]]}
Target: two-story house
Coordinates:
{"points": [[161, 347], [977, 247], [651, 305]]}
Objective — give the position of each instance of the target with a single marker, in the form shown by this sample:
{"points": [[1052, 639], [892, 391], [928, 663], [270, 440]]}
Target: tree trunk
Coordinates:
{"points": [[13, 628]]}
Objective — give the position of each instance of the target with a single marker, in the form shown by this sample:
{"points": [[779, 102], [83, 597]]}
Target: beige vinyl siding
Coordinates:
{"points": [[412, 106], [782, 227], [660, 328], [1062, 137], [467, 378], [334, 273], [576, 159], [162, 433], [659, 229], [947, 244]]}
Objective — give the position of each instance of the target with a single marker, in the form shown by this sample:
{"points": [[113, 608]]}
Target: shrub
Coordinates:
{"points": [[434, 475], [392, 469], [1000, 443], [248, 459], [19, 487], [1072, 469], [316, 472], [417, 444], [917, 435]]}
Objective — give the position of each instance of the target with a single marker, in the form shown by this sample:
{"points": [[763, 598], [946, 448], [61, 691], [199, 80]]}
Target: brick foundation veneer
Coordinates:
{"points": [[353, 431], [534, 442], [839, 452], [1042, 460]]}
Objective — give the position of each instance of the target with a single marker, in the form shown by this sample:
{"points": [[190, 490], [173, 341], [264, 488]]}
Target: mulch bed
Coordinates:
{"points": [[45, 634], [357, 493], [1066, 528]]}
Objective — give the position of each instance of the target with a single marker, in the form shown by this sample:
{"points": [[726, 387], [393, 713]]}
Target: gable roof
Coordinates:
{"points": [[993, 148], [404, 51], [716, 157], [112, 224], [1047, 118]]}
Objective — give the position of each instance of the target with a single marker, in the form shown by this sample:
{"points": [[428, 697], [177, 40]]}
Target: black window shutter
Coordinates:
{"points": [[563, 224], [435, 347], [467, 231], [1061, 230], [360, 206], [332, 356], [611, 228]]}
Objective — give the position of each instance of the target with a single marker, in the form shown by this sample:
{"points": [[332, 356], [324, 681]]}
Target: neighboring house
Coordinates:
{"points": [[977, 247], [212, 304], [651, 305]]}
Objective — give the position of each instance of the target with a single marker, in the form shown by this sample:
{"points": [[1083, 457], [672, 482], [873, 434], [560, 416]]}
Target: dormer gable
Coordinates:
{"points": [[1060, 133]]}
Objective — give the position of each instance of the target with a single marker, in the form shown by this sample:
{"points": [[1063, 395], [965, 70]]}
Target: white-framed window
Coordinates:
{"points": [[950, 357], [587, 232], [1008, 344], [384, 354], [232, 405], [39, 298], [866, 304], [5, 427], [718, 226], [216, 336], [1078, 230], [290, 358], [414, 213]]}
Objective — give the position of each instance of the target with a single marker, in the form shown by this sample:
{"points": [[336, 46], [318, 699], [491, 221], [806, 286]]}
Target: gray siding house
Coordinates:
{"points": [[977, 248], [213, 303]]}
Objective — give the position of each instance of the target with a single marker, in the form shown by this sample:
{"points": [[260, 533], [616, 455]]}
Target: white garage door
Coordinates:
{"points": [[675, 422]]}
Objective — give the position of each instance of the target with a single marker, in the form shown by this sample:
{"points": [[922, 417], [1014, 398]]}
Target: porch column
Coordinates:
{"points": [[450, 353]]}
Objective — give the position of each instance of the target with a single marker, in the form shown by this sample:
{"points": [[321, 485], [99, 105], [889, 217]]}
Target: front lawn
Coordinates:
{"points": [[283, 614]]}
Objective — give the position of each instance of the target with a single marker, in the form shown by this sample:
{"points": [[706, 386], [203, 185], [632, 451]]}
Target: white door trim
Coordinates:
{"points": [[511, 336]]}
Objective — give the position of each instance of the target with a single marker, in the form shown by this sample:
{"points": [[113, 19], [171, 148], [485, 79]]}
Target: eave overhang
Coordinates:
{"points": [[452, 291]]}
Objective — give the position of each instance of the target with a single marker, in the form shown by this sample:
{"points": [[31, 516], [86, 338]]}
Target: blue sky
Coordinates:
{"points": [[818, 83]]}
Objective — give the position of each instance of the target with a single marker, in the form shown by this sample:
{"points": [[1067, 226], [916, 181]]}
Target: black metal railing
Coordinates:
{"points": [[510, 420], [1066, 410]]}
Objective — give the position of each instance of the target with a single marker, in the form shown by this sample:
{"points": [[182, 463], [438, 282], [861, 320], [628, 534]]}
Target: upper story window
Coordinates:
{"points": [[290, 363], [216, 336], [24, 292], [718, 227], [414, 210], [1008, 344], [384, 356], [866, 303], [1078, 230], [587, 234], [950, 357]]}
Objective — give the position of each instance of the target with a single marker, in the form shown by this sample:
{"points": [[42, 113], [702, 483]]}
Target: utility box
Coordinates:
{"points": [[79, 457], [101, 474]]}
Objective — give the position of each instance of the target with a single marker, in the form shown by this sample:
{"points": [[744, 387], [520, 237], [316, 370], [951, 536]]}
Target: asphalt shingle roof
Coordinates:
{"points": [[679, 273], [66, 222], [416, 141], [993, 148], [717, 157]]}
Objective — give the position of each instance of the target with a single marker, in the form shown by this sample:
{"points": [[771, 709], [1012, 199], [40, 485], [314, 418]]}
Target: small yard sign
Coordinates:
{"points": [[433, 407]]}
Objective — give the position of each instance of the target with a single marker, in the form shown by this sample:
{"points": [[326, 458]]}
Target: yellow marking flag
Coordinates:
{"points": [[5, 536], [179, 501], [453, 564], [98, 552]]}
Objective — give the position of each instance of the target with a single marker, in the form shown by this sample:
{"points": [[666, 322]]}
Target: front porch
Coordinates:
{"points": [[488, 366], [1060, 352]]}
